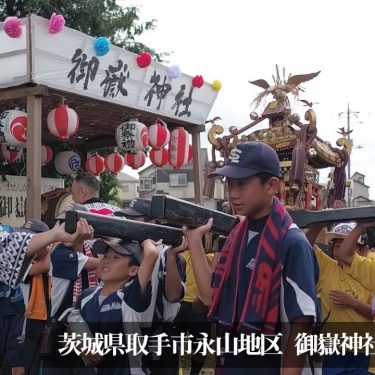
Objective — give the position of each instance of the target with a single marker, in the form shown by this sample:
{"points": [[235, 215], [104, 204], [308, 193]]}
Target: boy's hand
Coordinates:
{"points": [[179, 249], [340, 298], [199, 232], [151, 247], [83, 232]]}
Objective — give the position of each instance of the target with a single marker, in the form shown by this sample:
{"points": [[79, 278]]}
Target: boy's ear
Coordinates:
{"points": [[274, 184], [133, 270]]}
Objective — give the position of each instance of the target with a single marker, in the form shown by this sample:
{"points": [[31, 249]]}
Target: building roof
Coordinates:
{"points": [[357, 173], [124, 177], [361, 198]]}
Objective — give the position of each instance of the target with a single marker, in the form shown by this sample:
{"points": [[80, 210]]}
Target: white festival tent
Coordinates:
{"points": [[39, 68]]}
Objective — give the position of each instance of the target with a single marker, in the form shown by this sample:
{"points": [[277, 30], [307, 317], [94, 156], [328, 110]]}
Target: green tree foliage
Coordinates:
{"points": [[109, 188], [93, 17]]}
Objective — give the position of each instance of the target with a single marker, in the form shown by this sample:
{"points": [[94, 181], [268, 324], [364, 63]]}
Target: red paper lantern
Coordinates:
{"points": [[13, 125], [179, 148], [114, 162], [190, 154], [135, 160], [63, 122], [159, 157], [95, 165], [10, 154], [47, 155], [158, 134], [132, 136]]}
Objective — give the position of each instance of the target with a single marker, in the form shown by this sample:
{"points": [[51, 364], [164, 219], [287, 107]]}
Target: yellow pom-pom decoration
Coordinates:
{"points": [[216, 85]]}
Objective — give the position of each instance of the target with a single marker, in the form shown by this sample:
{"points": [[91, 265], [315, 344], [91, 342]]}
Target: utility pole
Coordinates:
{"points": [[349, 114]]}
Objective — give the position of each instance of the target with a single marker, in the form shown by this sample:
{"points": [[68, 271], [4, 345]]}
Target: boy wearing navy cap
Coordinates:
{"points": [[125, 270], [266, 273], [168, 287]]}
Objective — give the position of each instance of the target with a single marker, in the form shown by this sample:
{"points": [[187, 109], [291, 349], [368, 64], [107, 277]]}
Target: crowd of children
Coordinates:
{"points": [[269, 278]]}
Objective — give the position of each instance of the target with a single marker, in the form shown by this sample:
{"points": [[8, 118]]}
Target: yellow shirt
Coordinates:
{"points": [[363, 270], [191, 289], [333, 277]]}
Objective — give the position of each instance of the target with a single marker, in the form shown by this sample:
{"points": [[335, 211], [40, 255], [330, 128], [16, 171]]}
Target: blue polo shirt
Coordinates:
{"points": [[66, 266], [108, 314], [299, 277], [297, 295]]}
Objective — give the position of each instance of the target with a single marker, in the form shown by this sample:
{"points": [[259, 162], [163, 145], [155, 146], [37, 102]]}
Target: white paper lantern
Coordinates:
{"points": [[132, 136], [13, 125], [67, 162]]}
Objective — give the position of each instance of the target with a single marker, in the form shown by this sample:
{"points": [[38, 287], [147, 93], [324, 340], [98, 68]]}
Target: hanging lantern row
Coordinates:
{"points": [[114, 162], [13, 154], [131, 136], [62, 122]]}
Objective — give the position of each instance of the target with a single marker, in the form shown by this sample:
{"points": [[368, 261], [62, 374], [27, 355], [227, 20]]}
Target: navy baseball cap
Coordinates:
{"points": [[137, 207], [34, 226], [248, 159], [130, 248]]}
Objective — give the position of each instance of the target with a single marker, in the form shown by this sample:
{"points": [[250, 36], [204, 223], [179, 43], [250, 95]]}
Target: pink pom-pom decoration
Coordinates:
{"points": [[12, 27], [144, 60], [56, 23], [197, 82]]}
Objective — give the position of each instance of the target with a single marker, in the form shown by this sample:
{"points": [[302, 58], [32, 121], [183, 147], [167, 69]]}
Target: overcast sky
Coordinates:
{"points": [[236, 41]]}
